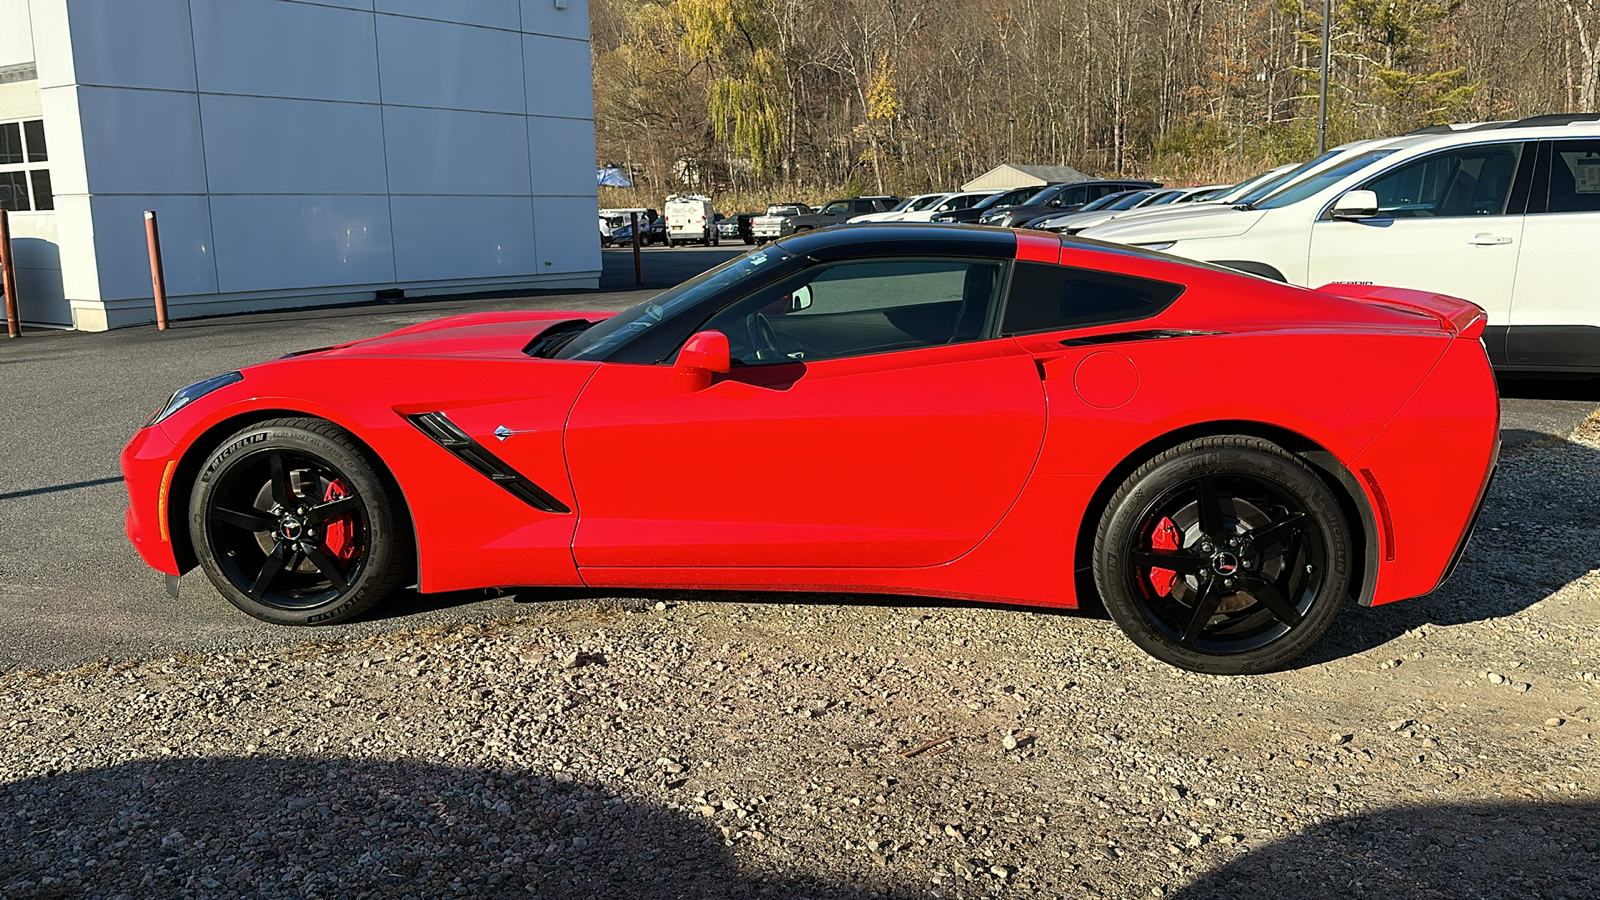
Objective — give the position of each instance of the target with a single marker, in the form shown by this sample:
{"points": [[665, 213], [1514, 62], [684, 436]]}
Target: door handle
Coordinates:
{"points": [[1488, 240]]}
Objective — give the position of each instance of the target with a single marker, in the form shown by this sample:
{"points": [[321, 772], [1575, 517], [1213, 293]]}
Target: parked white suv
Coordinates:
{"points": [[1505, 214]]}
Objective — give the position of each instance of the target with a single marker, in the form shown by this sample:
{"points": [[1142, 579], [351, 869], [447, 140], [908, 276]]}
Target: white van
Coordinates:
{"points": [[1505, 214], [691, 218], [612, 218]]}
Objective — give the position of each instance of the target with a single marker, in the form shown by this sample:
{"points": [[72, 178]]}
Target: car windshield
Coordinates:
{"points": [[1238, 191], [1314, 184], [1266, 188], [1164, 198], [1129, 201], [917, 204], [1046, 195], [836, 208], [1006, 198], [597, 341], [783, 211]]}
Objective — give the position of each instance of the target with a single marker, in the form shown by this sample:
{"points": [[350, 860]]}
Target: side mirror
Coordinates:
{"points": [[1356, 205], [800, 299], [704, 355]]}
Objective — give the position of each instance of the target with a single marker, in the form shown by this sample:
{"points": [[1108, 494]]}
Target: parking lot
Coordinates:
{"points": [[560, 743]]}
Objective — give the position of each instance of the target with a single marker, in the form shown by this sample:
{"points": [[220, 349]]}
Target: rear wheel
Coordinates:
{"points": [[1224, 555], [295, 524]]}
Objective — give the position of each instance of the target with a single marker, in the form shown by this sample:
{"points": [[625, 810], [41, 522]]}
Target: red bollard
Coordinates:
{"points": [[638, 264], [8, 272], [158, 279]]}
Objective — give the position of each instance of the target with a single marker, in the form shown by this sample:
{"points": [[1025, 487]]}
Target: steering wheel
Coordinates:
{"points": [[763, 338]]}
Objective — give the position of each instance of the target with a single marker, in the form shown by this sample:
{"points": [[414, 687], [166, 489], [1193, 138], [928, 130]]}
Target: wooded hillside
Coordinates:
{"points": [[899, 95]]}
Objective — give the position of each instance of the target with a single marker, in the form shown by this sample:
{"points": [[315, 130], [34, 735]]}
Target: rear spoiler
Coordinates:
{"points": [[1462, 318]]}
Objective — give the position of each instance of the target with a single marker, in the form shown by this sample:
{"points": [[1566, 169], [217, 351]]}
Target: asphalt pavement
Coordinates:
{"points": [[71, 588]]}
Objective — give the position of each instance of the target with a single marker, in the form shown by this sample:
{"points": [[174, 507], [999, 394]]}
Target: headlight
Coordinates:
{"points": [[1158, 245], [184, 396]]}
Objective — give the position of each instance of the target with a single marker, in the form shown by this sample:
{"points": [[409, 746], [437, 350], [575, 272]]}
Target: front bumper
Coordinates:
{"points": [[148, 464]]}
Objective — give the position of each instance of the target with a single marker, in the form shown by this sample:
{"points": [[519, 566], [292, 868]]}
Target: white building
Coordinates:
{"points": [[296, 152], [1005, 177]]}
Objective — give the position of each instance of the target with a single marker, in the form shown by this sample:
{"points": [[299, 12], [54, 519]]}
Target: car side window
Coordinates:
{"points": [[1469, 181], [1070, 197], [1574, 177], [860, 307], [1045, 297]]}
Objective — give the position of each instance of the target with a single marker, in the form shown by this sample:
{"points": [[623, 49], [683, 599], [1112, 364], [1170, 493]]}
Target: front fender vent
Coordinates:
{"points": [[447, 434]]}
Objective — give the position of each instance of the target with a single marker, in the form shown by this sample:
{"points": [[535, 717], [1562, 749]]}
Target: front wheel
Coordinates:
{"points": [[295, 524], [1223, 555]]}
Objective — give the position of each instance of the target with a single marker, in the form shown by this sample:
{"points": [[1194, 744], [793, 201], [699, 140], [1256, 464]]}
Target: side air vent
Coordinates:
{"points": [[445, 433]]}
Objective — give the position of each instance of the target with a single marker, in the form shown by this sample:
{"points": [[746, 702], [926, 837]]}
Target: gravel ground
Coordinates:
{"points": [[820, 746]]}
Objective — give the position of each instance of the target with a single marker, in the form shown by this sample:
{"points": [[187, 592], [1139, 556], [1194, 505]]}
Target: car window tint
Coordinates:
{"points": [[1070, 197], [860, 307], [1045, 297], [1574, 176], [836, 208], [1469, 181]]}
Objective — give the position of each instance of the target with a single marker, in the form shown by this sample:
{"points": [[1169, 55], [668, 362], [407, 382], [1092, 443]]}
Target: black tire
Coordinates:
{"points": [[296, 524], [1223, 594], [669, 242], [749, 240]]}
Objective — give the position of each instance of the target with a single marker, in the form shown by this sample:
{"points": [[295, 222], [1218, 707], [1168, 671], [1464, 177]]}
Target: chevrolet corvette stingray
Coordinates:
{"points": [[962, 412]]}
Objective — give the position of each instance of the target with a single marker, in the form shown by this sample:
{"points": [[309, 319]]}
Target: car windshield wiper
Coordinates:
{"points": [[551, 340], [1244, 207]]}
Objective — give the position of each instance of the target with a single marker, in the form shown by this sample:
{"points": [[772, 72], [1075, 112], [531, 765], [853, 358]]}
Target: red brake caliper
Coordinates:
{"points": [[339, 534], [1164, 537]]}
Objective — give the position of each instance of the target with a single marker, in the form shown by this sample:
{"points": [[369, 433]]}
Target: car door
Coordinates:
{"points": [[1555, 306], [1450, 222], [865, 423]]}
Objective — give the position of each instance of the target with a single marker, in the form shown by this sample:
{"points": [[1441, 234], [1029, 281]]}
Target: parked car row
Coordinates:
{"points": [[1499, 213], [689, 219]]}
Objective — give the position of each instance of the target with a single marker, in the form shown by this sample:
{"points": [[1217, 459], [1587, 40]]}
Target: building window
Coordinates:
{"points": [[24, 175]]}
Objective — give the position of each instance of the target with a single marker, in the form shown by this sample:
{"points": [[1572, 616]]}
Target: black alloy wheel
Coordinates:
{"points": [[1224, 555], [294, 524]]}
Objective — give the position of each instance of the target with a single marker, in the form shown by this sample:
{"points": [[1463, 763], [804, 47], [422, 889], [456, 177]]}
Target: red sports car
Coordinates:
{"points": [[952, 412]]}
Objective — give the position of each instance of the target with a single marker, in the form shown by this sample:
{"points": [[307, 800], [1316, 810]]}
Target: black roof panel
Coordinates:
{"points": [[897, 238]]}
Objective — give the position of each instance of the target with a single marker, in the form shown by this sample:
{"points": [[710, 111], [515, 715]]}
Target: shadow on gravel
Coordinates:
{"points": [[1489, 851], [301, 827], [1539, 531]]}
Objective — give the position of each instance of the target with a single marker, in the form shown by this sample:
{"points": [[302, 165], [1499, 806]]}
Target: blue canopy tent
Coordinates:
{"points": [[612, 176]]}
